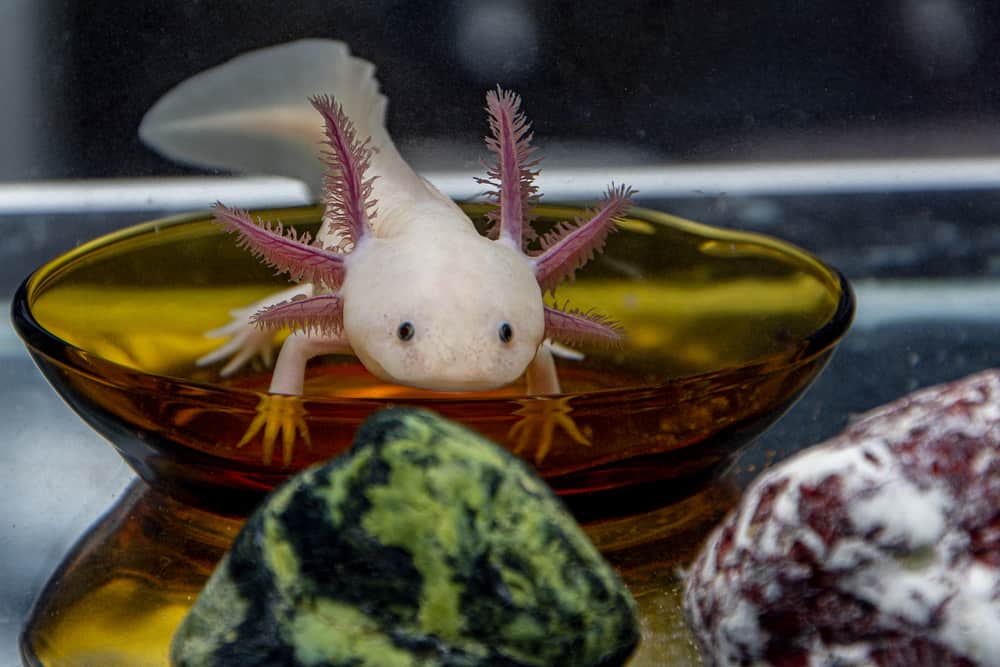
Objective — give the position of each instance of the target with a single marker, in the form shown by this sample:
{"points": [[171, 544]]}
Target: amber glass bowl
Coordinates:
{"points": [[724, 330]]}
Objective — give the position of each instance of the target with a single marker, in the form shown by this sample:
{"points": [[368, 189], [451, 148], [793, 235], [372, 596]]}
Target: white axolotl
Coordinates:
{"points": [[398, 275]]}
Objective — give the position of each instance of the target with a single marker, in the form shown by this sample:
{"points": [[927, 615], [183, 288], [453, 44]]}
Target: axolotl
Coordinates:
{"points": [[398, 274]]}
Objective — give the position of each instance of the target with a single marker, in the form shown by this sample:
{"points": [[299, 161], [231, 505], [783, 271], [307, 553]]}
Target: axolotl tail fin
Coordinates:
{"points": [[252, 113]]}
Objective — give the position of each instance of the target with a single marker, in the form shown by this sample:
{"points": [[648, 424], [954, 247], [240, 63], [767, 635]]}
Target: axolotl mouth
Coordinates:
{"points": [[459, 375]]}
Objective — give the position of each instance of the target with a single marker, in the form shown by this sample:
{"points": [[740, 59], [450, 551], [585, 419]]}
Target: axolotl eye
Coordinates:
{"points": [[505, 332], [405, 331]]}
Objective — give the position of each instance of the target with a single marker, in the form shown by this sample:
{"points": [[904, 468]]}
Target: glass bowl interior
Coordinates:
{"points": [[724, 330]]}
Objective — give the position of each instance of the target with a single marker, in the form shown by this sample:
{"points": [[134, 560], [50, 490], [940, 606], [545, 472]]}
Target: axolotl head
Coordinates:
{"points": [[461, 313]]}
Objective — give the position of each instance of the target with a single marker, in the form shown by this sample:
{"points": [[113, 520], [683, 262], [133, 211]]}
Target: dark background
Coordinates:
{"points": [[688, 81]]}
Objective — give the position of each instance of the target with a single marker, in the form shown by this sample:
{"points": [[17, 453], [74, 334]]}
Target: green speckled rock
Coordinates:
{"points": [[425, 545]]}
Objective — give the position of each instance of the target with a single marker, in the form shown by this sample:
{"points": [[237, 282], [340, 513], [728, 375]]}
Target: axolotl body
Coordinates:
{"points": [[398, 274]]}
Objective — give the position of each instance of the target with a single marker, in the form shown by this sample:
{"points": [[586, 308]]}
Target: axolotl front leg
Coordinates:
{"points": [[290, 370], [280, 413]]}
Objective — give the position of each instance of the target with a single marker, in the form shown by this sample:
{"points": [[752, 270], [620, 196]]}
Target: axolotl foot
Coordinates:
{"points": [[536, 430], [278, 414], [244, 342]]}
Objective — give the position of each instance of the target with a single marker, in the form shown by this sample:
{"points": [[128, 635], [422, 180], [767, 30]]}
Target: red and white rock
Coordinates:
{"points": [[878, 547]]}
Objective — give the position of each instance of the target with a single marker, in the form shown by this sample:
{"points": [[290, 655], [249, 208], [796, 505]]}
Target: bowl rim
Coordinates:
{"points": [[822, 340]]}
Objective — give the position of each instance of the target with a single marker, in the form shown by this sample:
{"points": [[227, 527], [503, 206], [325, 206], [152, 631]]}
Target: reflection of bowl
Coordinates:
{"points": [[725, 330]]}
